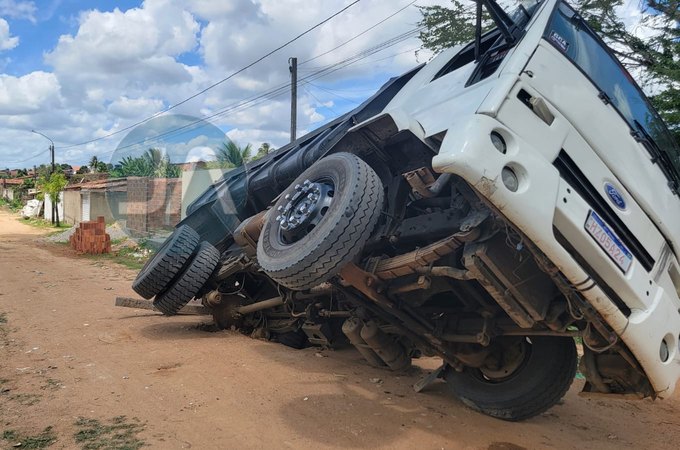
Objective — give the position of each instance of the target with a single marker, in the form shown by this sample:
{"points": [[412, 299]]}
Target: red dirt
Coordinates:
{"points": [[67, 347]]}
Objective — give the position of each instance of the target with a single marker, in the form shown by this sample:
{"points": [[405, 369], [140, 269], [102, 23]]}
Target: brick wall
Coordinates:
{"points": [[153, 204], [164, 198], [136, 207]]}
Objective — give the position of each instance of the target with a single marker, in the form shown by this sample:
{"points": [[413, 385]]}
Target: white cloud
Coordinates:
{"points": [[237, 11], [7, 42], [131, 108], [18, 9], [120, 66], [28, 94], [276, 138], [126, 53]]}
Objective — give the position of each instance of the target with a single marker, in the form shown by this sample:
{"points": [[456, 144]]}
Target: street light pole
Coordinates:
{"points": [[54, 203], [51, 147]]}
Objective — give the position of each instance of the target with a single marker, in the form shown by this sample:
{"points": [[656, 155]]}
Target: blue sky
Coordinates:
{"points": [[84, 72], [41, 30], [79, 71]]}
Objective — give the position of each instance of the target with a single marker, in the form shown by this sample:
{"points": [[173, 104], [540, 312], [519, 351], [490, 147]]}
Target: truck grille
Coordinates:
{"points": [[570, 172]]}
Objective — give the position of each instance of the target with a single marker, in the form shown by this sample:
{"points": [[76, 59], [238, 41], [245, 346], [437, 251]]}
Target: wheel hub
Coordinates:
{"points": [[304, 210], [507, 362]]}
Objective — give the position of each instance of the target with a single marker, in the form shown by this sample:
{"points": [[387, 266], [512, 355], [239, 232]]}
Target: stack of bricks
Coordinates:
{"points": [[90, 237]]}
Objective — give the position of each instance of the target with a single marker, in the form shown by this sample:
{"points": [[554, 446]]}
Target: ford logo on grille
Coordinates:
{"points": [[615, 196]]}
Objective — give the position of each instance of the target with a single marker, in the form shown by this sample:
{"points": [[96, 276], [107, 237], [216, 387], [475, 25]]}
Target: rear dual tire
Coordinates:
{"points": [[161, 269], [189, 282]]}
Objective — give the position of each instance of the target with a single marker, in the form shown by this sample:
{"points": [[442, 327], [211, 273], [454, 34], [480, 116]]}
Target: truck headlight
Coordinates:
{"points": [[663, 351], [509, 178], [498, 142]]}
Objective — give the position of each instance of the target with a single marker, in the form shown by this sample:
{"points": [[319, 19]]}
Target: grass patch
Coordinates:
{"points": [[13, 205], [130, 257], [3, 317], [46, 224], [51, 384], [42, 440], [26, 399], [118, 434]]}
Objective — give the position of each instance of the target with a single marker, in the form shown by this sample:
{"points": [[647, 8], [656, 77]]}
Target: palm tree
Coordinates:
{"points": [[233, 154], [160, 164], [93, 164], [153, 163], [264, 150]]}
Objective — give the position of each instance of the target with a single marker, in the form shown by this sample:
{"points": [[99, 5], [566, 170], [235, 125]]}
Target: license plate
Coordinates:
{"points": [[608, 241]]}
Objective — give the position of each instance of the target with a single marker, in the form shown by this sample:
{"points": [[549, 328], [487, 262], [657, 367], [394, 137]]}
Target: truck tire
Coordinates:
{"points": [[341, 198], [189, 282], [538, 383], [160, 270]]}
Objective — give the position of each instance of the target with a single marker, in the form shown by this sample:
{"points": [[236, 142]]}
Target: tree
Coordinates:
{"points": [[102, 167], [446, 27], [153, 163], [665, 56], [264, 150], [232, 154], [654, 60], [93, 164], [53, 186], [83, 170]]}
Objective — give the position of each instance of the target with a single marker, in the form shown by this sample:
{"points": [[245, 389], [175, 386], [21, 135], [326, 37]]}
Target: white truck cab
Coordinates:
{"points": [[562, 142]]}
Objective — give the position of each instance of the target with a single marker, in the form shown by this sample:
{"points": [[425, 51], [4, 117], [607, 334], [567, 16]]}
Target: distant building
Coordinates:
{"points": [[195, 165], [9, 188]]}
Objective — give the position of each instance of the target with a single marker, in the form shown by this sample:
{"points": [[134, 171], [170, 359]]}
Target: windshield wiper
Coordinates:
{"points": [[510, 30], [659, 156]]}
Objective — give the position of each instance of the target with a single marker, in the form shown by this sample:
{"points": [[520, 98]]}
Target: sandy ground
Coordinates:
{"points": [[66, 353]]}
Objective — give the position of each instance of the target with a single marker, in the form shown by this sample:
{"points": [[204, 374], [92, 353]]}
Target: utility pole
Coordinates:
{"points": [[54, 202], [292, 66], [52, 152]]}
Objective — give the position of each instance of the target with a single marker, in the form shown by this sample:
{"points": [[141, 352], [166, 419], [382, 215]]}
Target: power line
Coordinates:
{"points": [[359, 35], [320, 102], [279, 90], [169, 108], [29, 158], [332, 93], [362, 55]]}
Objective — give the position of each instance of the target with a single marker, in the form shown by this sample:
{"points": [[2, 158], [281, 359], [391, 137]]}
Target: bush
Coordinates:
{"points": [[13, 205]]}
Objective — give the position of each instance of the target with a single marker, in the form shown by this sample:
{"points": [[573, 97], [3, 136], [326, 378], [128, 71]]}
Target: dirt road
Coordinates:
{"points": [[72, 361]]}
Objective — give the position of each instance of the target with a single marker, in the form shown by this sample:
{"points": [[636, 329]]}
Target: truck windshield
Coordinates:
{"points": [[569, 34]]}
